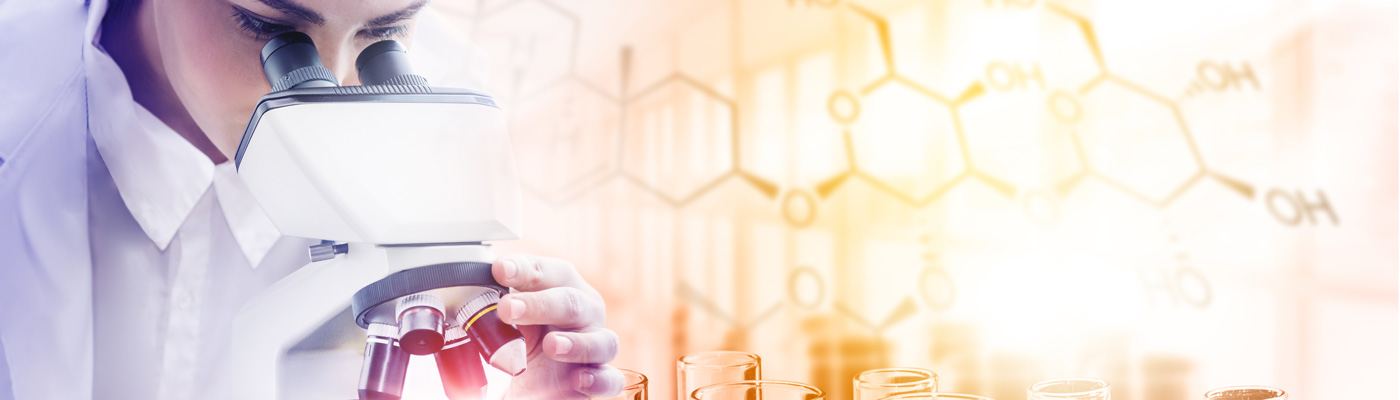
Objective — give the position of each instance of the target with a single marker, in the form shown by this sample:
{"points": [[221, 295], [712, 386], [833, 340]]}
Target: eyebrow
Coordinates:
{"points": [[396, 16], [300, 12], [295, 10]]}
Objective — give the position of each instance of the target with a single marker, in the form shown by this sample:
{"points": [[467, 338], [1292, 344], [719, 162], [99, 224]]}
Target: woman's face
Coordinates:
{"points": [[210, 49]]}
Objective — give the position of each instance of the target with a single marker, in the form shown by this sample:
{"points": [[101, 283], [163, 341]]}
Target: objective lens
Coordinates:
{"points": [[459, 364], [290, 61], [420, 324], [386, 63], [385, 365], [501, 344]]}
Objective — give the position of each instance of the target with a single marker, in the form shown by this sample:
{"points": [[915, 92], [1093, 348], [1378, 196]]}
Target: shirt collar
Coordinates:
{"points": [[250, 226], [159, 175]]}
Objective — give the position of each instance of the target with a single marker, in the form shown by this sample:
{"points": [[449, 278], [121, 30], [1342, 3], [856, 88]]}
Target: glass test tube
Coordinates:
{"points": [[634, 386], [1069, 388], [938, 396], [885, 382], [710, 367], [1246, 393], [766, 390]]}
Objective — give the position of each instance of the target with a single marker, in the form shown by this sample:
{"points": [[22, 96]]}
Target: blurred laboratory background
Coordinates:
{"points": [[1172, 196]]}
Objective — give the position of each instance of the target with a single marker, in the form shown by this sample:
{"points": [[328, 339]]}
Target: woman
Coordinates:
{"points": [[127, 241]]}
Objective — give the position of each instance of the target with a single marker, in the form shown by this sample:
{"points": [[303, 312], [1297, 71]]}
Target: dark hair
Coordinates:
{"points": [[119, 8]]}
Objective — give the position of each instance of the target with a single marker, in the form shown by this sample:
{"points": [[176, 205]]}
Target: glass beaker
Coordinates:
{"points": [[766, 390], [634, 386], [710, 367], [1246, 393], [1069, 388], [885, 382]]}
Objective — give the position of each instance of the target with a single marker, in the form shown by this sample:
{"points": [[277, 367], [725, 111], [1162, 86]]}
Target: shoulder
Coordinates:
{"points": [[41, 64], [43, 124], [43, 202]]}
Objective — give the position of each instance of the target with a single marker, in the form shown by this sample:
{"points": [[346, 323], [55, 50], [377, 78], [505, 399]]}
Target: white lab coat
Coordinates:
{"points": [[124, 251]]}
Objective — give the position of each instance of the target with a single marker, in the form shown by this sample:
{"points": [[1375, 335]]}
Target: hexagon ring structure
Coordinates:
{"points": [[907, 142], [1137, 141], [566, 138], [680, 139]]}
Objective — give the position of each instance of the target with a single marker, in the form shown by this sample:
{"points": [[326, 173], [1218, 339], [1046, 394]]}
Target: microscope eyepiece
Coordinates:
{"points": [[386, 63], [290, 61]]}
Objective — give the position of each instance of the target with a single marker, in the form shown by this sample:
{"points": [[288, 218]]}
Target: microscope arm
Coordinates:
{"points": [[279, 317]]}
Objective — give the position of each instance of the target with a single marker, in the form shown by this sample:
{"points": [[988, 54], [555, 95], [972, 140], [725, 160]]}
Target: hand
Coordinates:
{"points": [[562, 318]]}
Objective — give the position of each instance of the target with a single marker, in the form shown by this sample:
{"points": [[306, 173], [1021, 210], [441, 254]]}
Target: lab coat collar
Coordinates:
{"points": [[160, 175], [251, 228]]}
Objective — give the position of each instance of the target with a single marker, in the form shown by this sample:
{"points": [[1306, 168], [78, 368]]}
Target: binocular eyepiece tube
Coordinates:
{"points": [[386, 63], [290, 61]]}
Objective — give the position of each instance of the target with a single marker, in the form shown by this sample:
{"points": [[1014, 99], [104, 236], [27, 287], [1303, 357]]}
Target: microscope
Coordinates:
{"points": [[403, 182]]}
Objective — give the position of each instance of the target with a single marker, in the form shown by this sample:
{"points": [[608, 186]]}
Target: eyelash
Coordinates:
{"points": [[388, 32], [260, 29], [264, 30]]}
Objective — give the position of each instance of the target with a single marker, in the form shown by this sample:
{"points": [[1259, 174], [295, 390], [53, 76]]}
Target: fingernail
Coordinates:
{"points": [[585, 381], [517, 309], [510, 268], [562, 345]]}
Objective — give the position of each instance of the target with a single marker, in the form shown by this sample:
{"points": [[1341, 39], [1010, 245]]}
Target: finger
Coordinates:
{"points": [[563, 307], [529, 273], [598, 382], [594, 347]]}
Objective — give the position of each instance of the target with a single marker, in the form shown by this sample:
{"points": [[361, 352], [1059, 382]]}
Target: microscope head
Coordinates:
{"points": [[393, 161]]}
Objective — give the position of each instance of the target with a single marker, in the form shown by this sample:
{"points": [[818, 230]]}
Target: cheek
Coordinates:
{"points": [[213, 67]]}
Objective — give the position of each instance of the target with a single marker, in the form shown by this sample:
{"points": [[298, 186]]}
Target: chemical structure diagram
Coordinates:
{"points": [[577, 92], [1066, 106], [598, 122]]}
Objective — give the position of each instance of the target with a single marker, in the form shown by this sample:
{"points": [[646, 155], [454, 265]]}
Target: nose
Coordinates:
{"points": [[338, 55]]}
